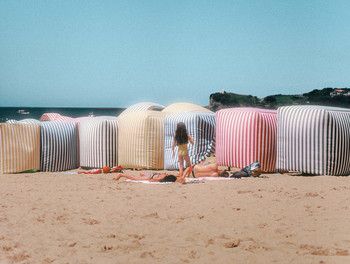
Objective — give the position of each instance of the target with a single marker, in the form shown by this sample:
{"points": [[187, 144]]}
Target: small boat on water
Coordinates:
{"points": [[91, 114], [23, 112]]}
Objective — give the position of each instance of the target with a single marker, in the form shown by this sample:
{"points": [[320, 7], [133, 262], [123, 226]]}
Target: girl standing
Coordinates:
{"points": [[181, 139]]}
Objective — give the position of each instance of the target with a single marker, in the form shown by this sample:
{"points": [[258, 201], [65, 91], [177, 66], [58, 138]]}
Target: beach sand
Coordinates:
{"points": [[79, 218]]}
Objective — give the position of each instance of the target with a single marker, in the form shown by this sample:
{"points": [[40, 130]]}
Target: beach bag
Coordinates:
{"points": [[253, 170]]}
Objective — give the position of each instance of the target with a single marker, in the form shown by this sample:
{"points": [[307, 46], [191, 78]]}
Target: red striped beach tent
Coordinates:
{"points": [[58, 148], [142, 107], [19, 147], [200, 124], [246, 135], [314, 140], [98, 142], [59, 118], [140, 139]]}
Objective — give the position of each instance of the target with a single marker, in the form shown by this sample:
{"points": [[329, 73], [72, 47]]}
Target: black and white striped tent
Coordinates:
{"points": [[200, 124], [314, 139], [98, 142]]}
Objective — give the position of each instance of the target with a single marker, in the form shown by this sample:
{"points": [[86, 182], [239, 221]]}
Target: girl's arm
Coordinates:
{"points": [[173, 147], [190, 139]]}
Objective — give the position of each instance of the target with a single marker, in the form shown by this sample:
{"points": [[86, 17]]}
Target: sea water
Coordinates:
{"points": [[20, 113]]}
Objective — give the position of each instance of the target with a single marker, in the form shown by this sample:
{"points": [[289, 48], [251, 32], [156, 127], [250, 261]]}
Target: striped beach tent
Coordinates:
{"points": [[59, 151], [143, 107], [183, 108], [98, 142], [60, 118], [314, 139], [19, 147], [58, 148], [246, 135], [200, 126], [140, 140]]}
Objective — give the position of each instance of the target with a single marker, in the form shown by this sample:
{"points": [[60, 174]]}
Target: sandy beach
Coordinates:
{"points": [[78, 218]]}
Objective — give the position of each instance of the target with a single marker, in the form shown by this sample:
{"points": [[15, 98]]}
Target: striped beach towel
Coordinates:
{"points": [[246, 135], [98, 142], [140, 140], [200, 126], [19, 147], [314, 139]]}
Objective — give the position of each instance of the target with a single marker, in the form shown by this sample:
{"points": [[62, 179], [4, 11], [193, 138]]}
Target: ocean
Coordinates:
{"points": [[20, 113]]}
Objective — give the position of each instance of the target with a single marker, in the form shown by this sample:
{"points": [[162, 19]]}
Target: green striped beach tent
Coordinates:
{"points": [[314, 139]]}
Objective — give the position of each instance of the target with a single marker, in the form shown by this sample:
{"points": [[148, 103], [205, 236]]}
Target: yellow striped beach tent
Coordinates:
{"points": [[183, 108], [98, 142], [58, 144], [143, 107], [140, 139], [314, 139], [19, 147], [200, 125]]}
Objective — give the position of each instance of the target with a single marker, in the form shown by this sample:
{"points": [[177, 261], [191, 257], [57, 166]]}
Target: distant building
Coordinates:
{"points": [[339, 92]]}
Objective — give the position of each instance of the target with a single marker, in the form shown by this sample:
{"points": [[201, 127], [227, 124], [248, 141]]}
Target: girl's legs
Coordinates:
{"points": [[132, 177], [187, 159], [181, 163]]}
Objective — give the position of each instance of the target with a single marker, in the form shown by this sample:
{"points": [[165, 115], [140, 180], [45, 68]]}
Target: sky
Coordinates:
{"points": [[117, 53]]}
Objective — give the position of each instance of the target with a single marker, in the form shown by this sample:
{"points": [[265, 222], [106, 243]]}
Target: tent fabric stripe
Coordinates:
{"points": [[246, 135], [314, 139], [58, 146], [19, 147], [98, 142], [142, 107], [140, 140], [200, 126]]}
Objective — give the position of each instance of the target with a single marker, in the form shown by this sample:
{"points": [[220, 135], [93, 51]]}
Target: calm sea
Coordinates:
{"points": [[17, 113]]}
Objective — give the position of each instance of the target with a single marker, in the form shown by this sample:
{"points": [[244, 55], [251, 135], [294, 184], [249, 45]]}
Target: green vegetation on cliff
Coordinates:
{"points": [[339, 97]]}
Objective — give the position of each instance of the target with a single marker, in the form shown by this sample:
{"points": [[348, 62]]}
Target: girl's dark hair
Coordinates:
{"points": [[181, 134]]}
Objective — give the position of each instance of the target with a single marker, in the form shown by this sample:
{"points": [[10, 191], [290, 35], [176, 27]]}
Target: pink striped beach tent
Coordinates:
{"points": [[246, 135], [314, 139], [19, 147], [59, 118]]}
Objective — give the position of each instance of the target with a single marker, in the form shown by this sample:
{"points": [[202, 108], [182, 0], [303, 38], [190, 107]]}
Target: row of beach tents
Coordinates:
{"points": [[309, 139]]}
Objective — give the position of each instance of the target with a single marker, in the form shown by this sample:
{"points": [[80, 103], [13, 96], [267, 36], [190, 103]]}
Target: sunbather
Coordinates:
{"points": [[204, 170], [153, 177]]}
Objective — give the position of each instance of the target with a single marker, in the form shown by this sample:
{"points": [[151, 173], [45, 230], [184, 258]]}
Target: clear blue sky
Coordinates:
{"points": [[117, 53]]}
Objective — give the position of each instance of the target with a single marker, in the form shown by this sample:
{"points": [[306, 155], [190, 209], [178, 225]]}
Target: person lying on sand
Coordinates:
{"points": [[205, 170], [153, 177]]}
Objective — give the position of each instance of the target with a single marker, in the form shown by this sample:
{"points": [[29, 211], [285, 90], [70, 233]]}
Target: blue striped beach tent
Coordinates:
{"points": [[58, 144], [144, 106], [98, 142], [59, 151], [314, 139], [140, 140], [200, 124], [19, 147]]}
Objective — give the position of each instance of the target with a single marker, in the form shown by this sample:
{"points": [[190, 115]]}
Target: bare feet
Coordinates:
{"points": [[117, 177]]}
